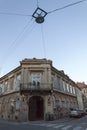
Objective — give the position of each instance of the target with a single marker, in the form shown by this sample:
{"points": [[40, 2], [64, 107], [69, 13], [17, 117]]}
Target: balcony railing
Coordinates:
{"points": [[37, 87]]}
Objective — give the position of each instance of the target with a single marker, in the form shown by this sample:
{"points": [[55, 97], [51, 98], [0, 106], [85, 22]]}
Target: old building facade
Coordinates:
{"points": [[83, 88], [36, 90]]}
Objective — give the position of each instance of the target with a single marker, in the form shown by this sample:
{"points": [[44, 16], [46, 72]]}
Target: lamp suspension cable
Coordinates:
{"points": [[43, 41], [66, 6]]}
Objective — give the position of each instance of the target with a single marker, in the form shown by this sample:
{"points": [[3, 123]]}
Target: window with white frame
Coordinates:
{"points": [[64, 86], [71, 90], [67, 86], [74, 90]]}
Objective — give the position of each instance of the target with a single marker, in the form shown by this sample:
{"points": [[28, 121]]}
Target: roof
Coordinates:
{"points": [[81, 85]]}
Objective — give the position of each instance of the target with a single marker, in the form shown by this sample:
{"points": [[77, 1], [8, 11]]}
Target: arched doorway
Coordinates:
{"points": [[36, 108]]}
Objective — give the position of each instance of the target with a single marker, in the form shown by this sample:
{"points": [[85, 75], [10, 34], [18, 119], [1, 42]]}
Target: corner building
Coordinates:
{"points": [[36, 90]]}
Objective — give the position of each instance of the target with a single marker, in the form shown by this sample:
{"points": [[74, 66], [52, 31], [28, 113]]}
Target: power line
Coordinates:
{"points": [[32, 27], [23, 30], [37, 3], [66, 6], [43, 41], [4, 13], [14, 43], [61, 8]]}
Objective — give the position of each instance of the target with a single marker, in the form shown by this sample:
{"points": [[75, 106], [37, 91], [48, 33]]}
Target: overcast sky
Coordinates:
{"points": [[62, 37]]}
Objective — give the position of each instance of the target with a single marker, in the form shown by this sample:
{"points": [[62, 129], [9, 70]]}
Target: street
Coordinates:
{"points": [[70, 124]]}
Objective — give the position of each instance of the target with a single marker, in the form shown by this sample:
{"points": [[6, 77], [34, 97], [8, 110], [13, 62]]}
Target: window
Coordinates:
{"points": [[17, 103], [64, 86], [67, 87], [58, 79], [60, 103], [11, 83], [6, 86], [18, 80], [9, 104], [64, 103], [54, 102], [3, 104], [36, 79], [18, 77], [71, 89], [54, 79], [0, 89], [61, 84], [12, 105]]}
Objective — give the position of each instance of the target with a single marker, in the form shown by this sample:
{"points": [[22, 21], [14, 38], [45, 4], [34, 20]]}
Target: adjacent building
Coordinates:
{"points": [[36, 90], [83, 88]]}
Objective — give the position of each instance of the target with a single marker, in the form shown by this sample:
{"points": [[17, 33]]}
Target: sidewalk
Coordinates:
{"points": [[62, 120]]}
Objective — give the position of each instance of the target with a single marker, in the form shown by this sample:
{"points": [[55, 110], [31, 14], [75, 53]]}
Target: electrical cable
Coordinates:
{"points": [[37, 3], [43, 41], [23, 30], [14, 43], [32, 27], [66, 6], [4, 13]]}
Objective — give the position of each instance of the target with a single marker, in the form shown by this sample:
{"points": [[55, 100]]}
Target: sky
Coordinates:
{"points": [[62, 37]]}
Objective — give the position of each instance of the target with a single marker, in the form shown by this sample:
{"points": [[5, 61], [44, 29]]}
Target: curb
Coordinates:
{"points": [[62, 120]]}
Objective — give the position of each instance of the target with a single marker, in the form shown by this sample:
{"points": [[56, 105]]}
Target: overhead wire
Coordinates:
{"points": [[43, 41], [31, 29], [19, 35], [66, 6], [5, 13], [13, 45], [37, 3]]}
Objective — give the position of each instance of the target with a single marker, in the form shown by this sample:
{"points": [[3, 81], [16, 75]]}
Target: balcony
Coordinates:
{"points": [[35, 88]]}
